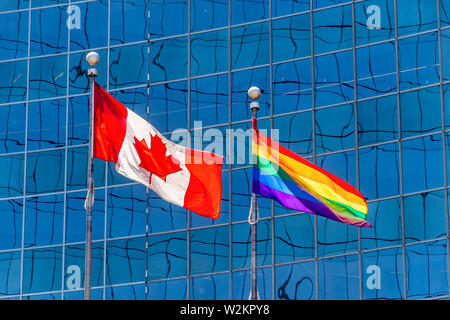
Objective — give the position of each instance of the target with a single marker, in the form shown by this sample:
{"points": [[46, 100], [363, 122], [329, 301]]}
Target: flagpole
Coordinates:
{"points": [[254, 93], [92, 59]]}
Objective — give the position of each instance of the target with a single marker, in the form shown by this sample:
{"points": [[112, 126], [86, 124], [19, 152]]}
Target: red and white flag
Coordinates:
{"points": [[188, 178]]}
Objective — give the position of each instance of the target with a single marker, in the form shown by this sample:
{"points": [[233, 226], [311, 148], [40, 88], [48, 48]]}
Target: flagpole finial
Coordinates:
{"points": [[254, 93], [92, 59]]}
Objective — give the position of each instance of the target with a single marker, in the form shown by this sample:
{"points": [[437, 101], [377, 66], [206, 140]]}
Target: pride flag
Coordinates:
{"points": [[298, 184]]}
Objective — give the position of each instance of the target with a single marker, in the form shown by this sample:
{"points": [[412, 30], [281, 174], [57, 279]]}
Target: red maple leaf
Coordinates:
{"points": [[154, 160]]}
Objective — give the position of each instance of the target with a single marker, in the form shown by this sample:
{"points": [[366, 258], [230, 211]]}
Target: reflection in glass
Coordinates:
{"points": [[416, 16], [291, 37], [79, 82], [295, 281], [208, 14], [128, 66], [13, 82], [209, 52], [365, 17], [48, 77], [335, 237], [168, 18], [129, 21], [10, 271], [12, 128], [49, 33], [168, 290], [11, 224], [11, 175], [45, 171], [133, 292], [242, 284], [14, 31], [213, 287], [250, 45], [284, 7], [168, 59]]}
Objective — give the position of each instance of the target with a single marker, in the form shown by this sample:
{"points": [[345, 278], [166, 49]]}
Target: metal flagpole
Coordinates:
{"points": [[254, 93], [92, 59]]}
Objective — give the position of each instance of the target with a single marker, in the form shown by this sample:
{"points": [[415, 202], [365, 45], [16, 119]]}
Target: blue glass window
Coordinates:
{"points": [[45, 172], [242, 236], [14, 5], [79, 82], [416, 16], [422, 281], [335, 128], [326, 3], [129, 21], [240, 83], [209, 250], [126, 211], [167, 256], [134, 292], [377, 120], [77, 168], [11, 224], [210, 100], [241, 284], [334, 78], [335, 237], [44, 219], [76, 216], [168, 59], [291, 37], [333, 29], [125, 261], [46, 124], [14, 31], [42, 3], [292, 86], [10, 270], [42, 270], [209, 52], [78, 120], [13, 83], [295, 281], [379, 171], [284, 7], [49, 33], [213, 287], [48, 77], [374, 21], [128, 66], [342, 165], [294, 238], [445, 13], [168, 17], [250, 45], [168, 106], [208, 14], [135, 99], [421, 111], [168, 290], [445, 38], [339, 278], [388, 266], [246, 11], [386, 218], [424, 216], [422, 161], [11, 175], [12, 128], [74, 256], [376, 69], [164, 216], [419, 69], [298, 141]]}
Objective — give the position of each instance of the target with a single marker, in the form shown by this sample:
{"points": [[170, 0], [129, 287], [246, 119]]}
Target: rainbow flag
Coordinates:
{"points": [[298, 184]]}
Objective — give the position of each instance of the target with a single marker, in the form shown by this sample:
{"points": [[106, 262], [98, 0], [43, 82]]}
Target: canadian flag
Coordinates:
{"points": [[188, 178]]}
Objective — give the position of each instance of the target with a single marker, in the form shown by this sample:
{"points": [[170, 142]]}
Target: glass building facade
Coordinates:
{"points": [[361, 88]]}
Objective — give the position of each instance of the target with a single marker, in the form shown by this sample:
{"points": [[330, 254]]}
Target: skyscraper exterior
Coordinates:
{"points": [[360, 88]]}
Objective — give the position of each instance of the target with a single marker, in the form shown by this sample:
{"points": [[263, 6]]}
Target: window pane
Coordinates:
{"points": [[291, 37], [11, 224], [377, 120], [164, 216], [335, 237], [14, 31], [422, 282], [208, 14], [292, 86], [209, 52], [44, 219], [445, 13], [78, 120], [209, 250], [46, 124], [284, 7], [246, 11], [167, 256], [250, 45], [214, 287], [14, 5], [128, 66], [129, 21], [342, 165], [376, 70], [48, 77], [379, 171], [374, 21], [421, 111], [168, 290], [13, 83], [10, 269], [422, 163], [241, 284], [136, 292], [333, 29], [169, 59], [334, 78], [295, 281], [125, 261], [416, 16], [445, 38], [294, 238], [298, 141], [339, 278], [168, 17], [386, 218], [11, 175], [45, 172], [12, 128], [42, 270], [49, 31], [77, 168]]}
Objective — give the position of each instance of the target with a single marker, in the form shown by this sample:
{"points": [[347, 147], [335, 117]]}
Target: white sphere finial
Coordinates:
{"points": [[254, 93], [92, 58]]}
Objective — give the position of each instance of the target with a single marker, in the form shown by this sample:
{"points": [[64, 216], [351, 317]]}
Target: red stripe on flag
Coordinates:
{"points": [[110, 125], [204, 192]]}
